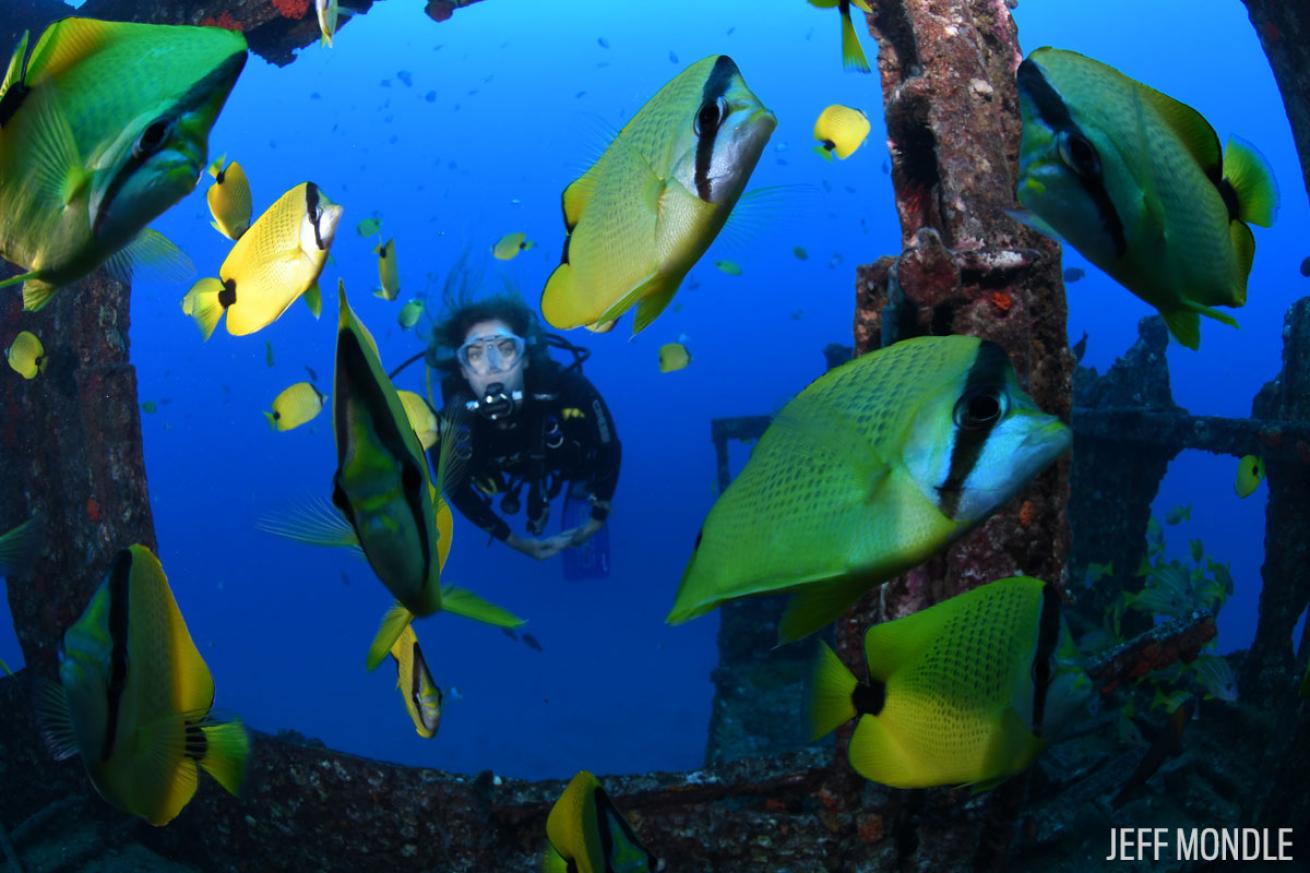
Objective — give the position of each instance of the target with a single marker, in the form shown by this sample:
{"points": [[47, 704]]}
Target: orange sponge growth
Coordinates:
{"points": [[292, 8]]}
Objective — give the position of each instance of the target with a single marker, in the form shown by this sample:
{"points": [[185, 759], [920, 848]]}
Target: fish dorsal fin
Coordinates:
{"points": [[573, 826], [461, 601], [151, 595], [55, 719], [877, 755], [14, 75], [393, 624], [67, 43], [1191, 128], [817, 605], [891, 644], [576, 197]]}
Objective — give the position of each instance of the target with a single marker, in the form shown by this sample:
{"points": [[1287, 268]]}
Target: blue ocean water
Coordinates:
{"points": [[498, 109]]}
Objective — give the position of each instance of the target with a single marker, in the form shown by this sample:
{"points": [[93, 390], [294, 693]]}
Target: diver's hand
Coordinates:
{"points": [[580, 534], [534, 548]]}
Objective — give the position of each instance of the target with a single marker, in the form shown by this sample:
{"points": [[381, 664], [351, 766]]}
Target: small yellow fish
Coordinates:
{"points": [[421, 418], [276, 261], [1250, 473], [388, 274], [299, 404], [731, 268], [509, 245], [840, 130], [229, 199], [327, 19], [421, 695], [673, 356], [26, 355], [369, 226], [410, 313]]}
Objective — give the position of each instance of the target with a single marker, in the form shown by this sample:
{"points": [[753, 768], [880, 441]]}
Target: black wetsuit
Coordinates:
{"points": [[561, 433]]}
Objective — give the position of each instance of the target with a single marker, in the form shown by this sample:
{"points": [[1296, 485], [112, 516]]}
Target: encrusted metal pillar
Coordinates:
{"points": [[953, 126], [71, 441], [1284, 31]]}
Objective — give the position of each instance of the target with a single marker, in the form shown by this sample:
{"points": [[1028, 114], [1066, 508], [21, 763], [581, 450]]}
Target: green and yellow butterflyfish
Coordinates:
{"points": [[421, 695], [229, 198], [650, 206], [382, 488], [276, 261], [1137, 182], [410, 313], [295, 405], [587, 833], [959, 693], [876, 466], [135, 695], [673, 357], [103, 127]]}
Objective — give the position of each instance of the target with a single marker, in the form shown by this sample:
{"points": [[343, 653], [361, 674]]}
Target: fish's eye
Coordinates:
{"points": [[152, 138], [710, 116], [1079, 154], [980, 409]]}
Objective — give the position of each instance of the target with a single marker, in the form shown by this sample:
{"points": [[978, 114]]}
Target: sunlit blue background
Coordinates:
{"points": [[509, 101]]}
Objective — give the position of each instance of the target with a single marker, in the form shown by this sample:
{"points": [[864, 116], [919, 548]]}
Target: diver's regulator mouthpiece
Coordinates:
{"points": [[496, 402]]}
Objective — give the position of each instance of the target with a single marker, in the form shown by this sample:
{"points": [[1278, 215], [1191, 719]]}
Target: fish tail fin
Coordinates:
{"points": [[1248, 171], [19, 279], [19, 546], [227, 754], [203, 305], [326, 41], [852, 55], [461, 601], [216, 168], [830, 702], [272, 421], [17, 68], [36, 292], [314, 300], [824, 152], [393, 625], [55, 719]]}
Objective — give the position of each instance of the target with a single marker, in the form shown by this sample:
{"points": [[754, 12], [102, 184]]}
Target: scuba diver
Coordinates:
{"points": [[526, 428]]}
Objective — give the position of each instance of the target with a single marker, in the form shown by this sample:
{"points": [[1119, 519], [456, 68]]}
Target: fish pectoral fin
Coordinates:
{"points": [[55, 719], [37, 293], [314, 299], [1253, 181], [461, 601], [156, 253], [316, 522], [57, 166], [817, 605], [650, 284], [227, 752], [1185, 325], [20, 545], [393, 625]]}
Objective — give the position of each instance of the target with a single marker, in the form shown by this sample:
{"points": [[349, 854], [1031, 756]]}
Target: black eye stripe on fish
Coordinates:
{"points": [[120, 579], [417, 669], [1052, 110], [13, 98], [311, 208], [715, 87], [987, 375], [1048, 635]]}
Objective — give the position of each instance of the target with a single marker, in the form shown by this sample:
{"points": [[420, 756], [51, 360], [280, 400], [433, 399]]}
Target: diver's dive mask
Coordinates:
{"points": [[496, 402], [491, 353]]}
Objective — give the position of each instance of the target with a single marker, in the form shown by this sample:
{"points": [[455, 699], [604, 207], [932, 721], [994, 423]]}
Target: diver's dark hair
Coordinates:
{"points": [[462, 312]]}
